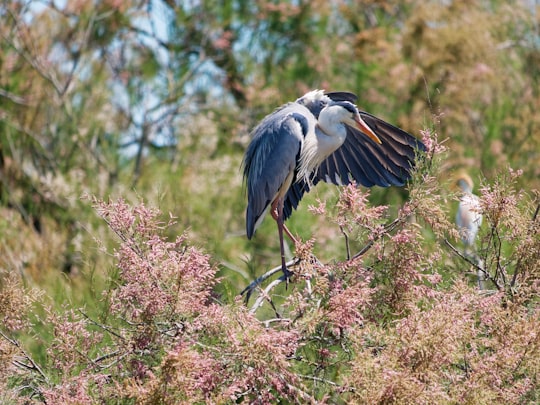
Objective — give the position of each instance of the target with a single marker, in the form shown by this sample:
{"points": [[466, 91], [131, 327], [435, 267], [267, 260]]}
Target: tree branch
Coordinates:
{"points": [[249, 289], [387, 228], [475, 265], [31, 365]]}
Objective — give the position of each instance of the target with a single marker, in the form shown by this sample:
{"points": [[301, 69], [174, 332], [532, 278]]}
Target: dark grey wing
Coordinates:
{"points": [[294, 195], [400, 142], [271, 157], [400, 147], [342, 96], [367, 163]]}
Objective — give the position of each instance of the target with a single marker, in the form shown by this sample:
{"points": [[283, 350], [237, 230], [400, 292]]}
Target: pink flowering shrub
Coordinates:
{"points": [[398, 320], [227, 355], [508, 250], [183, 347], [160, 280]]}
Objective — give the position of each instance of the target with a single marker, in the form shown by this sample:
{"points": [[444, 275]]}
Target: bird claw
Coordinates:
{"points": [[287, 275]]}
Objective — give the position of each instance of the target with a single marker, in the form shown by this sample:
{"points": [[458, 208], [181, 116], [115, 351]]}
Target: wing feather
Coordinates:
{"points": [[387, 164], [271, 158]]}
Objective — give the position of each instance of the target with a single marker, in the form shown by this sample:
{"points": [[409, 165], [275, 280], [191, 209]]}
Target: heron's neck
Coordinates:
{"points": [[319, 144], [331, 122], [331, 134]]}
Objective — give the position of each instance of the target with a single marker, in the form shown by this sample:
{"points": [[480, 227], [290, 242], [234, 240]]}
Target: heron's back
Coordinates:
{"points": [[271, 158]]}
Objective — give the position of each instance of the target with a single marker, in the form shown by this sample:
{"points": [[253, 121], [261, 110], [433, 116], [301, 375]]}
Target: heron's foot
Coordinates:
{"points": [[287, 275]]}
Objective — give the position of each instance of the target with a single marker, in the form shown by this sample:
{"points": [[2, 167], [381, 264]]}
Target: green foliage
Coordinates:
{"points": [[154, 101], [377, 327]]}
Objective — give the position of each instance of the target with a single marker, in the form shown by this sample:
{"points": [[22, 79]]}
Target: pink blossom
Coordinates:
{"points": [[430, 140]]}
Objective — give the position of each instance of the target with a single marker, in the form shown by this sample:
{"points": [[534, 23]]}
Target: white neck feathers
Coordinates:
{"points": [[328, 135]]}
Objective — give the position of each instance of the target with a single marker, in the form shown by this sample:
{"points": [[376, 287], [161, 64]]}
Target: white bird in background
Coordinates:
{"points": [[320, 136], [469, 220], [469, 215]]}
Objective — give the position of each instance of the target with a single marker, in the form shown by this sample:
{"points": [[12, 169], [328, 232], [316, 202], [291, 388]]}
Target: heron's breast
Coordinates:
{"points": [[315, 149]]}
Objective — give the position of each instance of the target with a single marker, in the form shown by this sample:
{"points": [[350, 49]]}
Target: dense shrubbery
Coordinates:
{"points": [[127, 99], [399, 322]]}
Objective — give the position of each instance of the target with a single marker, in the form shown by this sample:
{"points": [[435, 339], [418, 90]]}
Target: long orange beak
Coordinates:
{"points": [[365, 129]]}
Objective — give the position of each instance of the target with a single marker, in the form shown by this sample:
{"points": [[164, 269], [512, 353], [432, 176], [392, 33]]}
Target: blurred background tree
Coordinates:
{"points": [[155, 100]]}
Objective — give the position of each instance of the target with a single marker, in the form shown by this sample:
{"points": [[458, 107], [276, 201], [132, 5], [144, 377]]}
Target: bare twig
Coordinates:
{"points": [[325, 381], [387, 228], [347, 247], [104, 327], [249, 289], [475, 265], [105, 356], [28, 363], [116, 354], [518, 264], [276, 320], [306, 398], [499, 272], [265, 295], [14, 98]]}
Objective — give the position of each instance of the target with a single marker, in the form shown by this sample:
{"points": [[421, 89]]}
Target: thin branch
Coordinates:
{"points": [[32, 366], [275, 320], [387, 228], [249, 289], [325, 381], [518, 264], [347, 246], [531, 345], [475, 265], [265, 295], [303, 395], [105, 357], [15, 98], [235, 268], [34, 138], [499, 269], [104, 327], [34, 62], [140, 31]]}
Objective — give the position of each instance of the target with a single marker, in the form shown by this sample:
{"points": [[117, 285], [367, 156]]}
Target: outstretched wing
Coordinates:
{"points": [[270, 160], [360, 159]]}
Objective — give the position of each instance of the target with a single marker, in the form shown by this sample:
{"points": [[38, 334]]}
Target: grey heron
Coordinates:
{"points": [[320, 136]]}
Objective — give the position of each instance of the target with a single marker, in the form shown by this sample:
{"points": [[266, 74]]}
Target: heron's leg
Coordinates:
{"points": [[278, 207], [275, 214]]}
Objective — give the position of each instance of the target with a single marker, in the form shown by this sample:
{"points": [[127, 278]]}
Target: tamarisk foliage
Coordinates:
{"points": [[397, 320]]}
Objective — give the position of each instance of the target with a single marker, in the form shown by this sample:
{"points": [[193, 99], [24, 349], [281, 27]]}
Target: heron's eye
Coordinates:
{"points": [[350, 108]]}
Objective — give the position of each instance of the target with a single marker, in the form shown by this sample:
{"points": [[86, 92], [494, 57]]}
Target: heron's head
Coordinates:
{"points": [[463, 182], [314, 101], [347, 113]]}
